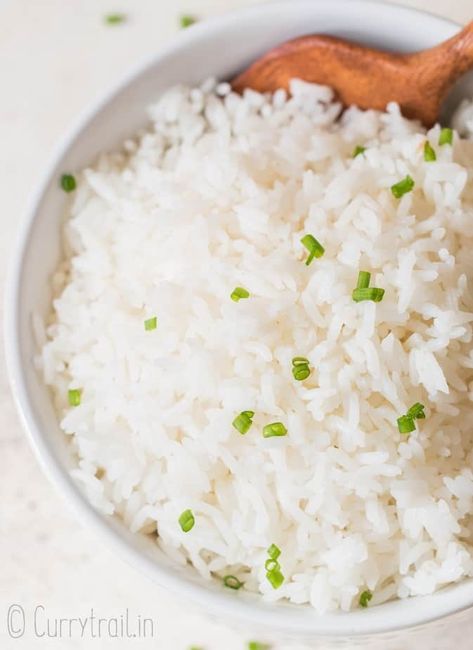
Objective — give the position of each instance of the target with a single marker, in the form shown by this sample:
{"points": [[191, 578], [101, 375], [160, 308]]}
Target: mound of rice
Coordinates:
{"points": [[217, 194]]}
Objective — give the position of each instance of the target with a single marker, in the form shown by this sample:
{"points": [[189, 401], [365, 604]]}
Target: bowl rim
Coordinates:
{"points": [[387, 617]]}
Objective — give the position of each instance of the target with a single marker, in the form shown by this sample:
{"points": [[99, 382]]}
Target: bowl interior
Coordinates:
{"points": [[218, 47]]}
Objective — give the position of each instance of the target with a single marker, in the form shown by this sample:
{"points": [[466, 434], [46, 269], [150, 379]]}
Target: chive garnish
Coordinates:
{"points": [[238, 293], [365, 598], [403, 187], [429, 152], [151, 323], [186, 20], [243, 421], [406, 423], [115, 19], [274, 429], [314, 247], [275, 578], [363, 291], [271, 565], [446, 136], [256, 645], [74, 396], [300, 368], [273, 568], [274, 552], [68, 182], [416, 411], [358, 150], [364, 279], [370, 293], [186, 521], [232, 582]]}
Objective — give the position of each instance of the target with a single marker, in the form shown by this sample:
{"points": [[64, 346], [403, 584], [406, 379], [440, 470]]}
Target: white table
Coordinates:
{"points": [[55, 56]]}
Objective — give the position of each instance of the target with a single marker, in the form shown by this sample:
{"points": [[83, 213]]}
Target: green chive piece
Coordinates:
{"points": [[300, 361], [446, 136], [151, 323], [358, 150], [256, 645], [74, 396], [300, 368], [274, 552], [187, 20], [187, 521], [300, 372], [115, 19], [368, 293], [232, 582], [271, 565], [68, 182], [403, 187], [314, 247], [242, 423], [405, 424], [416, 411], [274, 429], [429, 152], [275, 577], [238, 293], [365, 598], [364, 279]]}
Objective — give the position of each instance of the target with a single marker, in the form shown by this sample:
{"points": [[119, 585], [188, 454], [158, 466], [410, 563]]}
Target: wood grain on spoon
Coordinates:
{"points": [[364, 76]]}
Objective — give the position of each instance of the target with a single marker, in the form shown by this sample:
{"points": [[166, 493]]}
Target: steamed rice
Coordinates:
{"points": [[217, 194]]}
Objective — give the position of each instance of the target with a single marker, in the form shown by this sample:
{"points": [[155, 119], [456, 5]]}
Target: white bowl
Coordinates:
{"points": [[218, 47]]}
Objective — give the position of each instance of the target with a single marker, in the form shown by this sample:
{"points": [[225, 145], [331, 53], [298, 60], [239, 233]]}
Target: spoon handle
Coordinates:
{"points": [[442, 65]]}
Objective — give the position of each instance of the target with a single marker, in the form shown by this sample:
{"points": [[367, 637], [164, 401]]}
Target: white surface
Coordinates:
{"points": [[54, 57]]}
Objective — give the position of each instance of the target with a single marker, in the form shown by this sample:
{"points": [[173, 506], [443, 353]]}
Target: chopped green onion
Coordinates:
{"points": [[300, 372], [416, 411], [429, 152], [274, 552], [314, 247], [232, 582], [446, 136], [187, 20], [243, 422], [274, 429], [369, 293], [300, 361], [271, 565], [238, 293], [403, 187], [255, 645], [405, 424], [187, 521], [364, 279], [74, 396], [151, 323], [365, 598], [115, 19], [300, 368], [275, 577], [68, 182], [358, 150]]}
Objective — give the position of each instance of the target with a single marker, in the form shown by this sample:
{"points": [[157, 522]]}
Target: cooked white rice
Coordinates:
{"points": [[218, 194]]}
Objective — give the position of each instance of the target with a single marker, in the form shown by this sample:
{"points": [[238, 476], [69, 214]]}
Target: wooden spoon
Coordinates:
{"points": [[369, 78]]}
